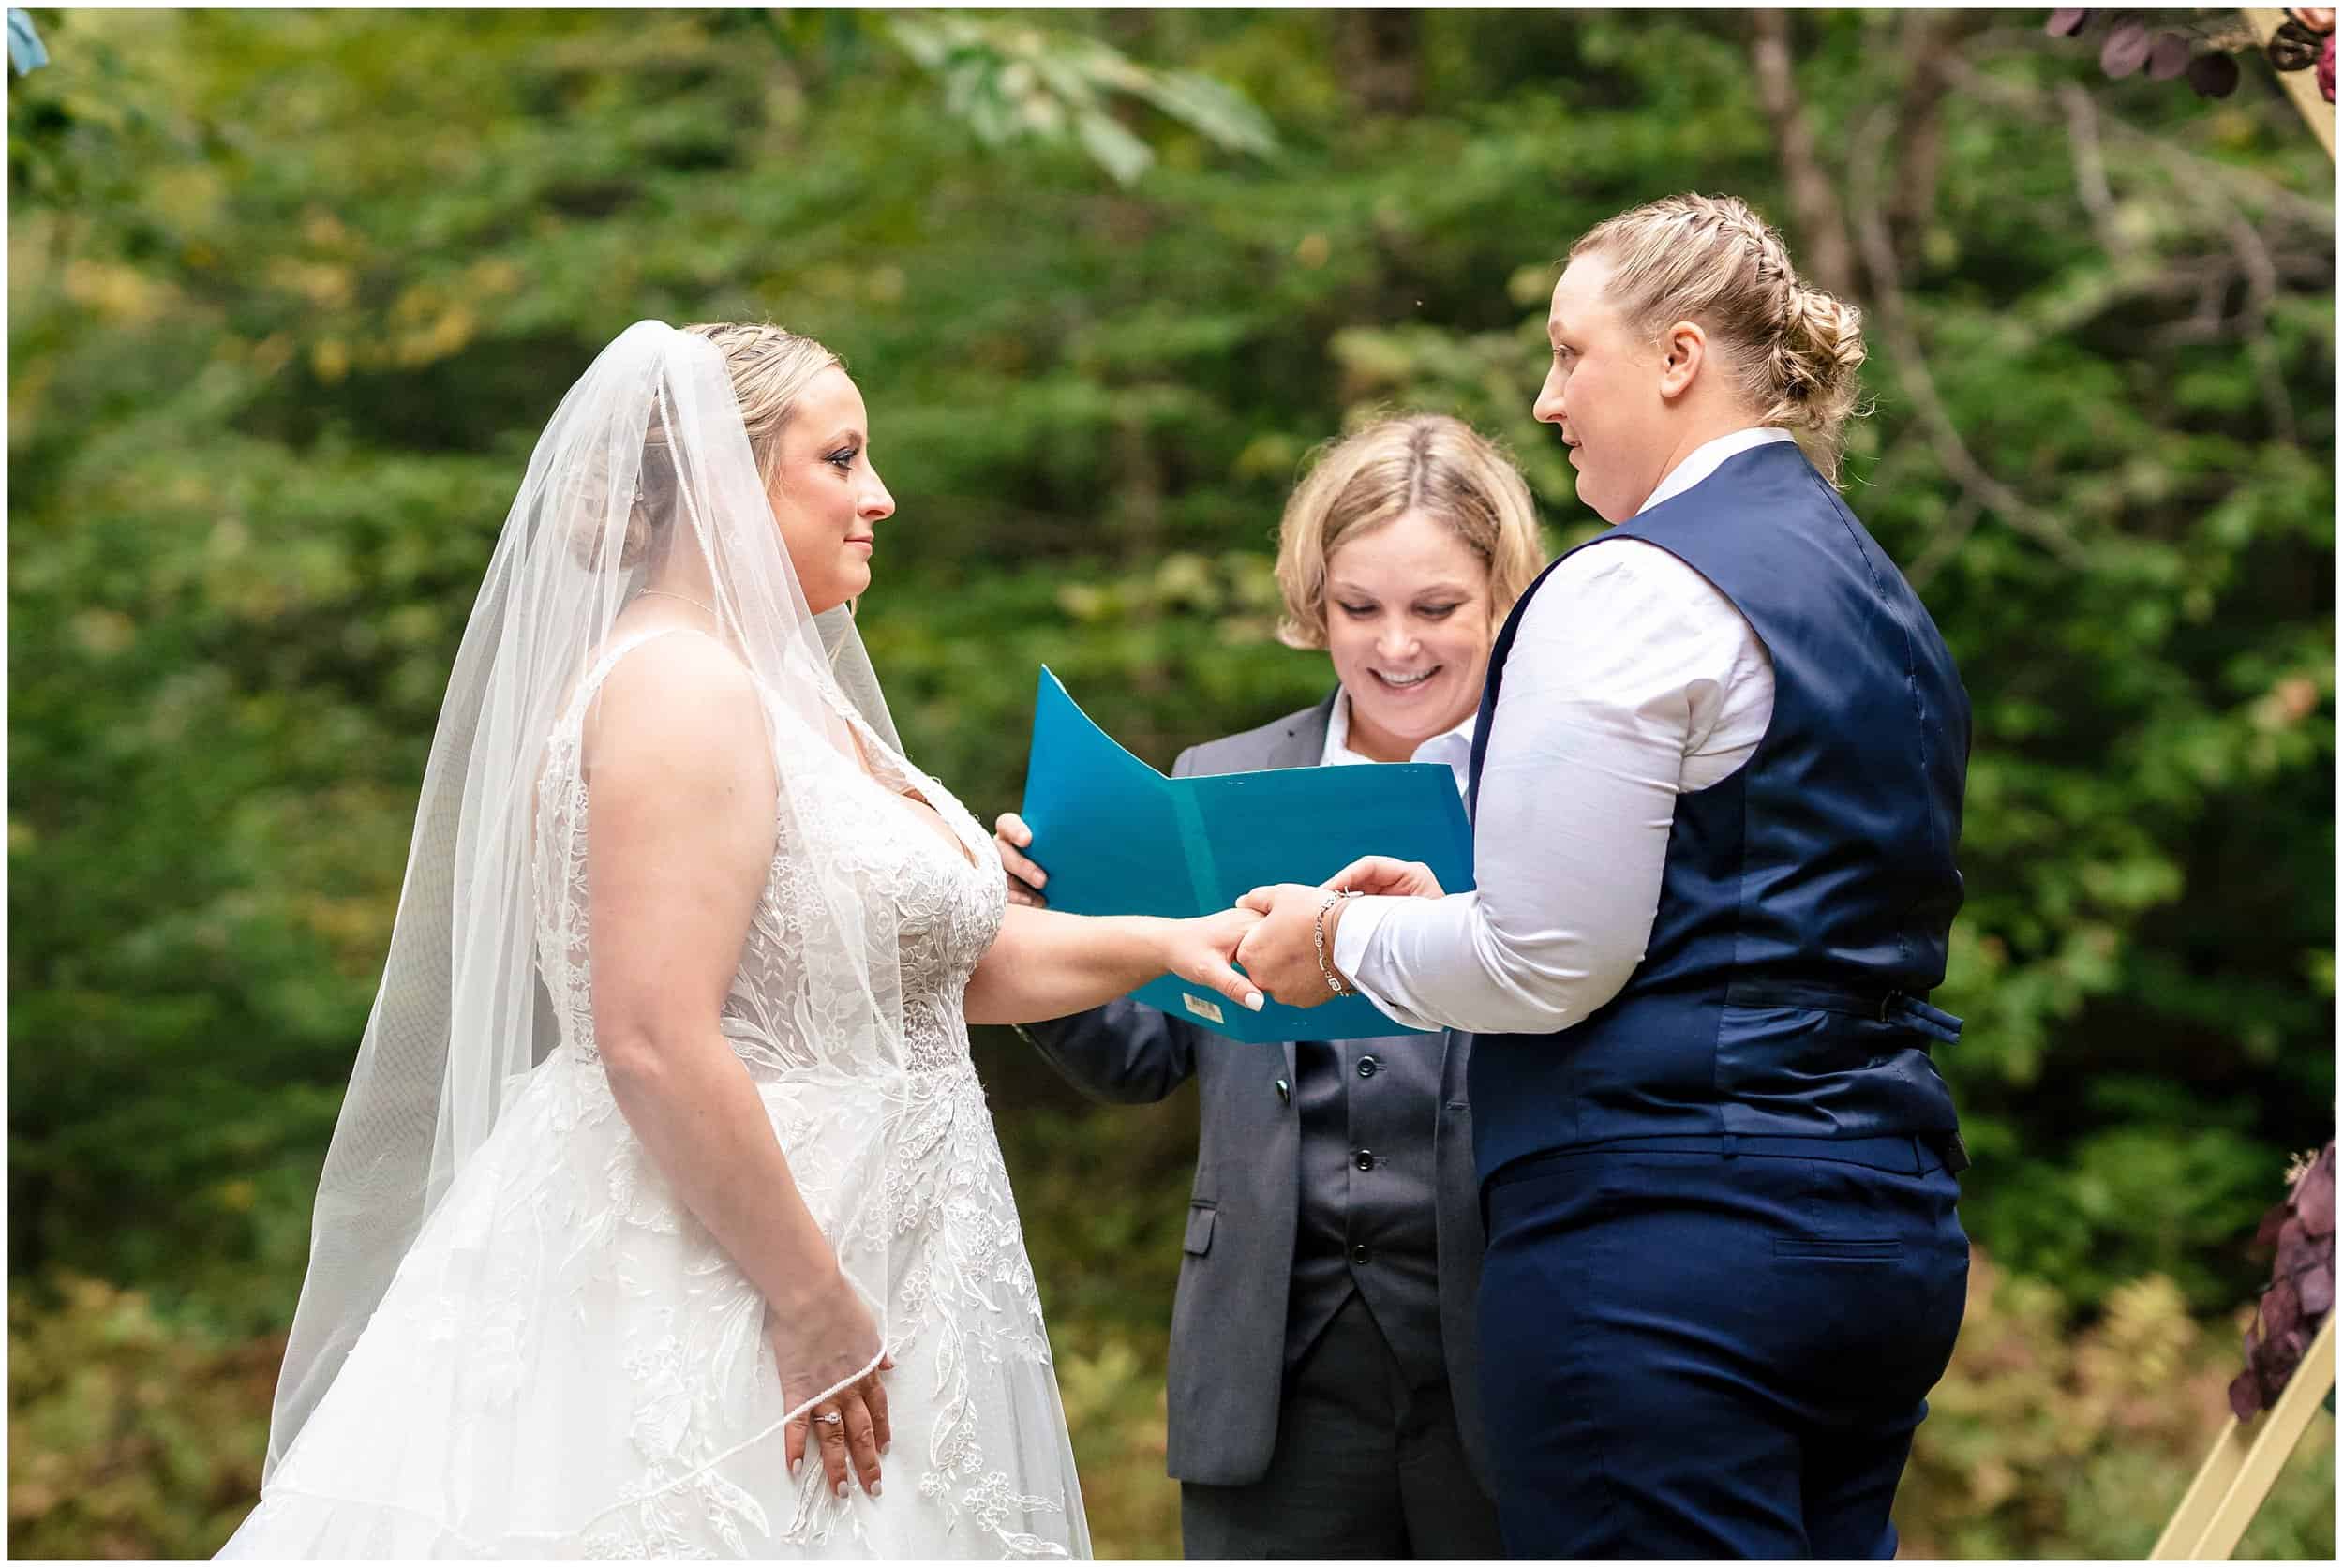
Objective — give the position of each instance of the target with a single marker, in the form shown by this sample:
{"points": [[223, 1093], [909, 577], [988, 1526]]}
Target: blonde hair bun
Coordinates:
{"points": [[1815, 361]]}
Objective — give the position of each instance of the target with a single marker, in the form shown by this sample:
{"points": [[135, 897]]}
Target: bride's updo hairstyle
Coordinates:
{"points": [[1793, 351], [769, 367]]}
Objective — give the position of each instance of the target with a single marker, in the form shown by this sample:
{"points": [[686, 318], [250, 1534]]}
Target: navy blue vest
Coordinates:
{"points": [[1806, 899]]}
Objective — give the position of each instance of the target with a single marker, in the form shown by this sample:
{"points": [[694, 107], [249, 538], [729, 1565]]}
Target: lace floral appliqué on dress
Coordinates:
{"points": [[568, 1365]]}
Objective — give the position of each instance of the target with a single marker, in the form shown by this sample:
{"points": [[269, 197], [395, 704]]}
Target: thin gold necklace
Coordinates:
{"points": [[664, 594]]}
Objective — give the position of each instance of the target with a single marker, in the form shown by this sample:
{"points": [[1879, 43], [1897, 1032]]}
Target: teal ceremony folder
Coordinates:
{"points": [[1118, 838]]}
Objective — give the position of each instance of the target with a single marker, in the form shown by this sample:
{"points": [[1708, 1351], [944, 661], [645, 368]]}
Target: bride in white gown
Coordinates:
{"points": [[665, 1215]]}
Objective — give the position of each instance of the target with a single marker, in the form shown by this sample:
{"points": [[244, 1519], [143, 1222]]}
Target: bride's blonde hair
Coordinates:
{"points": [[1793, 350], [769, 367]]}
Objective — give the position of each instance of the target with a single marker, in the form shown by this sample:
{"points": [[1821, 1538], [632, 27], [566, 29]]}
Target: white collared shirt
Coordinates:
{"points": [[1452, 747], [1631, 681], [1706, 458]]}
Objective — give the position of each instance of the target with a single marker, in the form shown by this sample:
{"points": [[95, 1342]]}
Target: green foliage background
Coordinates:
{"points": [[290, 293]]}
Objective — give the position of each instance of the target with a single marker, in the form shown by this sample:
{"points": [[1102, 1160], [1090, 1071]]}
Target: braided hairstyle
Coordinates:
{"points": [[1794, 351]]}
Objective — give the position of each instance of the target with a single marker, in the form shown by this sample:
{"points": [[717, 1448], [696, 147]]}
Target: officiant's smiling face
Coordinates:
{"points": [[1408, 624], [827, 498]]}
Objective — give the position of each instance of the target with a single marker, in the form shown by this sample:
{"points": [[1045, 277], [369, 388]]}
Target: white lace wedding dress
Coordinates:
{"points": [[566, 1364]]}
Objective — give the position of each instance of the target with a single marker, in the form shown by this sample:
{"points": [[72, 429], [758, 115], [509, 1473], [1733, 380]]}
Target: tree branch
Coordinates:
{"points": [[1946, 543], [2207, 183], [1385, 55], [2036, 107], [1821, 225], [1927, 34], [2098, 197], [2262, 292], [1952, 452]]}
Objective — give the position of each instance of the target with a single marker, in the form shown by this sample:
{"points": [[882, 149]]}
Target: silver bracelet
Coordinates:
{"points": [[1334, 981]]}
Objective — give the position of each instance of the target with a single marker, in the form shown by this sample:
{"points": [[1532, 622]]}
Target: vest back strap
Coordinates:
{"points": [[1886, 1007]]}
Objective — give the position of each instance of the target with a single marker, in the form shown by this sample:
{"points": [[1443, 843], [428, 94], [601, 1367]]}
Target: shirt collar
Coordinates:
{"points": [[1451, 746], [1705, 460]]}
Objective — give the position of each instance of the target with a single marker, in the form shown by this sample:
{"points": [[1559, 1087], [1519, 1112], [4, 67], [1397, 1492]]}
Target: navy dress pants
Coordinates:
{"points": [[1696, 1351]]}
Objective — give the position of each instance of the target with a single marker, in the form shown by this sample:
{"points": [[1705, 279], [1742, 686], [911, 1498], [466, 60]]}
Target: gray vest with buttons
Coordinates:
{"points": [[1368, 1115]]}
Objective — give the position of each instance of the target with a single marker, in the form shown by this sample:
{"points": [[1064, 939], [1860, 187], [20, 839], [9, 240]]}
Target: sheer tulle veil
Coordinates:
{"points": [[644, 474]]}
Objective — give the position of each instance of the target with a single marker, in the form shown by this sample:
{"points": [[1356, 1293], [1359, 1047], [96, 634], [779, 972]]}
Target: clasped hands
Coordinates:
{"points": [[1271, 931], [1280, 953]]}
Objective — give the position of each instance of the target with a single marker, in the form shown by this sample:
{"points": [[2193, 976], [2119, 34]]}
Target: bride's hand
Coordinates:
{"points": [[1203, 950], [817, 1342]]}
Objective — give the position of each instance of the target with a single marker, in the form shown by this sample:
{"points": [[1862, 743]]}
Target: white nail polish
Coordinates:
{"points": [[794, 1465], [842, 1488], [876, 1489]]}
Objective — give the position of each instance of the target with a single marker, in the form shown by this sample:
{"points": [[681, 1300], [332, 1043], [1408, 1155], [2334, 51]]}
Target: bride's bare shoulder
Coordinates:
{"points": [[681, 689]]}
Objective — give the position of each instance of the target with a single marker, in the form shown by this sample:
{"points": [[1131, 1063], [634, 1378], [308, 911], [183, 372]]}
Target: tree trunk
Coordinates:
{"points": [[1384, 52], [1826, 256]]}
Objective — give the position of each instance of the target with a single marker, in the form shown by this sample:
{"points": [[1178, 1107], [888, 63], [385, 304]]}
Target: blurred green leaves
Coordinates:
{"points": [[1013, 82], [292, 292]]}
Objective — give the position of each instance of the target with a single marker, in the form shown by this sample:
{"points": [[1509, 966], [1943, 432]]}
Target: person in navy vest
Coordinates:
{"points": [[1716, 792]]}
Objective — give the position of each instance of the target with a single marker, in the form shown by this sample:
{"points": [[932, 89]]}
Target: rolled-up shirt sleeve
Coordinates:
{"points": [[1623, 666]]}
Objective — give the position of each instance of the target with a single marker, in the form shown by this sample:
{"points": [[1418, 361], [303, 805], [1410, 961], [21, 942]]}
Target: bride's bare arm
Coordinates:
{"points": [[680, 840], [1047, 964]]}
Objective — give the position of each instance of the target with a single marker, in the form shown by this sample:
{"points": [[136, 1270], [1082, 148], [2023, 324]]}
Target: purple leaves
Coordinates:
{"points": [[2300, 1228], [2245, 1394], [2169, 58], [2313, 1197], [2166, 46], [2126, 48], [2214, 76], [2281, 1311], [2316, 1290]]}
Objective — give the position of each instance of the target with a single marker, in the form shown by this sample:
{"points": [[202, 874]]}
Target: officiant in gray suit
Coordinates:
{"points": [[1323, 1397]]}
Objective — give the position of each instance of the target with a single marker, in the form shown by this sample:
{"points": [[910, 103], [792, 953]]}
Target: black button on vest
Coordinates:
{"points": [[1369, 1192]]}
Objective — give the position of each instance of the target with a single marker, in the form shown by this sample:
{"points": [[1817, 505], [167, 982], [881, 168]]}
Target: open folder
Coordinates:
{"points": [[1118, 838]]}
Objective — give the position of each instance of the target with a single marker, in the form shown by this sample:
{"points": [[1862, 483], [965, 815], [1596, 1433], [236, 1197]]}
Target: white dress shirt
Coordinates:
{"points": [[1631, 681], [1451, 747]]}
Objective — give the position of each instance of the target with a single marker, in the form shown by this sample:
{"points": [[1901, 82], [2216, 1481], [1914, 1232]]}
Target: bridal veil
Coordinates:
{"points": [[644, 473]]}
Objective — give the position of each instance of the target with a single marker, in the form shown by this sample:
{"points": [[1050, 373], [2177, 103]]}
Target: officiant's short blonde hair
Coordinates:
{"points": [[1427, 463]]}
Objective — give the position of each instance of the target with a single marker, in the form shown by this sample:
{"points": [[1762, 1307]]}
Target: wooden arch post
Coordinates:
{"points": [[2302, 85], [2244, 1464]]}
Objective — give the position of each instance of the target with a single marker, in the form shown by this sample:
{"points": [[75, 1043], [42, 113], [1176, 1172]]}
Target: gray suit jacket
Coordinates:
{"points": [[1229, 1319]]}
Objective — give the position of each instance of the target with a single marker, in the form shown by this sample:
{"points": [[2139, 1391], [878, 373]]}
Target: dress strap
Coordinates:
{"points": [[610, 660]]}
